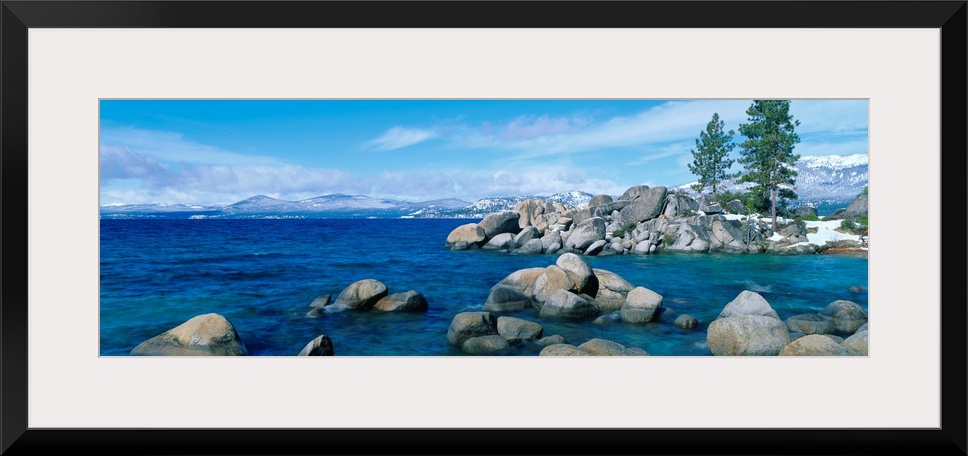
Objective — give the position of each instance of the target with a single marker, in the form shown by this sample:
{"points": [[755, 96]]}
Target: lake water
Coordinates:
{"points": [[262, 275]]}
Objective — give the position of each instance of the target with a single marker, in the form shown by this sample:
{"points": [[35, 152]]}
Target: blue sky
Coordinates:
{"points": [[223, 151]]}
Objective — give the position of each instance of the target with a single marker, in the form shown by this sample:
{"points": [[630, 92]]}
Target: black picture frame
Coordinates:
{"points": [[18, 16]]}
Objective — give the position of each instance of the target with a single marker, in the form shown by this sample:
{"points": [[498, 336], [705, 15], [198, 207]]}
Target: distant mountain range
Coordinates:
{"points": [[337, 206], [826, 182]]}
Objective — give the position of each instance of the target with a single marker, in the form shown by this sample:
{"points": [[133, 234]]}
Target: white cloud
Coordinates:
{"points": [[227, 184], [470, 186], [531, 126], [399, 137], [219, 184], [678, 149], [672, 121], [165, 146], [651, 131], [119, 162]]}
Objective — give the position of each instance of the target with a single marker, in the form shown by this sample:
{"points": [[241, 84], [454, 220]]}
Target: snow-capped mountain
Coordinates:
{"points": [[334, 202], [828, 181], [485, 206], [831, 179], [573, 198]]}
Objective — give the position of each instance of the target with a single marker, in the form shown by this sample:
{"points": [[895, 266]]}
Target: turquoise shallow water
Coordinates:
{"points": [[262, 275]]}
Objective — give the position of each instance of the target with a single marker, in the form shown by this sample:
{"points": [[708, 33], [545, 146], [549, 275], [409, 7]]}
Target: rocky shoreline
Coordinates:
{"points": [[642, 221], [648, 220], [568, 290]]}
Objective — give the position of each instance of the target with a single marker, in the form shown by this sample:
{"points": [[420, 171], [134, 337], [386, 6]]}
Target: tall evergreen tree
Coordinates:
{"points": [[710, 160], [767, 153]]}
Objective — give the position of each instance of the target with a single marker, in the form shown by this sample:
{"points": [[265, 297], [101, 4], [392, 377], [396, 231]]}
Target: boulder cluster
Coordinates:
{"points": [[570, 289], [643, 220], [371, 295], [213, 334], [593, 347], [479, 333], [483, 333], [749, 326]]}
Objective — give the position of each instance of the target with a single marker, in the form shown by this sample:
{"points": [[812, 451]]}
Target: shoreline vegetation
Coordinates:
{"points": [[643, 221]]}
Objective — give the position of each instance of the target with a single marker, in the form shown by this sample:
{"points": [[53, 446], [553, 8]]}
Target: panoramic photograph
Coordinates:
{"points": [[483, 227]]}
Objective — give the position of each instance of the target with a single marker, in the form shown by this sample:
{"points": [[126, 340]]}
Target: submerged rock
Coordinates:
{"points": [[838, 339], [552, 280], [748, 303], [320, 346], [847, 315], [686, 321], [567, 305], [607, 319], [641, 306], [602, 347], [467, 325], [580, 273], [612, 290], [857, 344], [464, 237], [814, 345], [318, 306], [202, 335], [515, 330], [562, 350], [810, 324], [408, 301], [551, 340], [506, 299], [522, 280], [321, 301], [483, 345], [362, 294], [747, 335]]}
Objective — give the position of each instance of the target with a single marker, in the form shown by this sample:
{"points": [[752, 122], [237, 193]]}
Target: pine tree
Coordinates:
{"points": [[709, 156], [767, 153]]}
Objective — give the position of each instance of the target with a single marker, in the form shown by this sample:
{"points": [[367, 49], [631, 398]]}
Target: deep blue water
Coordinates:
{"points": [[263, 274]]}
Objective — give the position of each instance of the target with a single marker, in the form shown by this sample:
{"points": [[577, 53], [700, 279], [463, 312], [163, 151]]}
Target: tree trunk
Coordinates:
{"points": [[774, 192]]}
